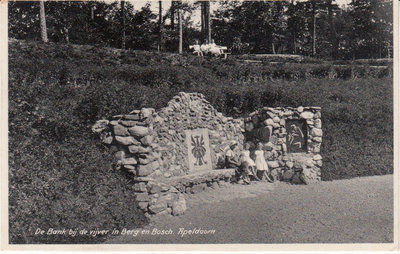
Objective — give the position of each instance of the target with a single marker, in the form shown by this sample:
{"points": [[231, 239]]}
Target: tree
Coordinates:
{"points": [[180, 31], [203, 21], [172, 13], [372, 30], [123, 24], [43, 28], [262, 24], [208, 21], [160, 24], [24, 20]]}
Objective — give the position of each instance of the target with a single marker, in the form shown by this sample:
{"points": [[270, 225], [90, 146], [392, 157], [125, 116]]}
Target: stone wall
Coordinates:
{"points": [[151, 146], [292, 140]]}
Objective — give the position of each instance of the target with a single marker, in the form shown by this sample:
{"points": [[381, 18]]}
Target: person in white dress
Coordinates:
{"points": [[261, 164], [248, 165]]}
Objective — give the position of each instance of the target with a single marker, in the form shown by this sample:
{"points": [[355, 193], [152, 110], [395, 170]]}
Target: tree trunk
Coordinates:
{"points": [[208, 21], [92, 12], [43, 28], [314, 27], [123, 24], [334, 35], [180, 31], [173, 15], [159, 25], [203, 22]]}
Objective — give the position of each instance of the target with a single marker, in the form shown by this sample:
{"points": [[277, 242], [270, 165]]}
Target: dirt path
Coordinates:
{"points": [[346, 211]]}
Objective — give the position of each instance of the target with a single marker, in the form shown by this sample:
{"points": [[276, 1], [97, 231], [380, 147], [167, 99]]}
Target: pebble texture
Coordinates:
{"points": [[151, 146], [300, 167]]}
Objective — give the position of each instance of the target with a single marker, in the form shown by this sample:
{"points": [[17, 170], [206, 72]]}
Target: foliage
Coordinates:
{"points": [[60, 176], [372, 28], [363, 29]]}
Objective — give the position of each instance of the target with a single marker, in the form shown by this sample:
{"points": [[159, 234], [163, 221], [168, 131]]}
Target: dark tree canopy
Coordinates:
{"points": [[363, 29]]}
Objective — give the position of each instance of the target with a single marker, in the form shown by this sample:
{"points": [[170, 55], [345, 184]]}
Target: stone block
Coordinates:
{"points": [[155, 188], [284, 148], [273, 164], [128, 123], [269, 122], [318, 123], [316, 132], [119, 155], [269, 146], [179, 206], [317, 157], [145, 170], [287, 175], [159, 206], [139, 149], [139, 131], [130, 168], [307, 176], [126, 140], [271, 114], [169, 198], [296, 179], [249, 126], [143, 205], [276, 125], [275, 174], [120, 130], [142, 197], [133, 116], [276, 119], [106, 138], [165, 212], [308, 163], [147, 140], [146, 112], [300, 109], [129, 161], [317, 115], [298, 164], [140, 187], [100, 126], [307, 115], [317, 139]]}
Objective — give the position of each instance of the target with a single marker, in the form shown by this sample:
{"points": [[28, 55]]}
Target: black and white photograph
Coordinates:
{"points": [[163, 125]]}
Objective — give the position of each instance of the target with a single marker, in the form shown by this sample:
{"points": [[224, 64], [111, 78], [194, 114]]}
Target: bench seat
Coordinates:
{"points": [[199, 177]]}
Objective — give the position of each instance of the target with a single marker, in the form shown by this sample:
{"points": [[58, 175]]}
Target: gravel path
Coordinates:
{"points": [[345, 211]]}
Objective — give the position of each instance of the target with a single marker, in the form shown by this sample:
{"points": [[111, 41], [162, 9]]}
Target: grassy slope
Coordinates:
{"points": [[60, 175]]}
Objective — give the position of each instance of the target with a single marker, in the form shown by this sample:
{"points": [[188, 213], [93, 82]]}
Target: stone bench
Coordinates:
{"points": [[200, 179]]}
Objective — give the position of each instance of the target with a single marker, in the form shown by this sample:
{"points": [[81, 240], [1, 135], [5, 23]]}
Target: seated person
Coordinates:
{"points": [[230, 161]]}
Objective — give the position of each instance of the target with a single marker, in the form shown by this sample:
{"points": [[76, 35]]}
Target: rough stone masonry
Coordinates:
{"points": [[152, 146]]}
